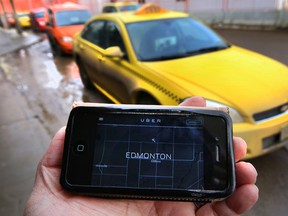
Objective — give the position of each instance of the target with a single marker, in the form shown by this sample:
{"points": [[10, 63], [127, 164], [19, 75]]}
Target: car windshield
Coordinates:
{"points": [[72, 17], [129, 7], [22, 15], [172, 38], [39, 14]]}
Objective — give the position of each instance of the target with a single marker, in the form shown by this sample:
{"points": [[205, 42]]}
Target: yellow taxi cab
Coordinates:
{"points": [[63, 22], [24, 19], [156, 56], [120, 7]]}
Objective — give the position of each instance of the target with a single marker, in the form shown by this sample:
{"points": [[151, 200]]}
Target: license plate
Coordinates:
{"points": [[284, 133]]}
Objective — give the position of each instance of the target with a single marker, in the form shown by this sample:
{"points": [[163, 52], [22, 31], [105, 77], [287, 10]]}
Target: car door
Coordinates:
{"points": [[90, 49], [49, 27], [116, 76]]}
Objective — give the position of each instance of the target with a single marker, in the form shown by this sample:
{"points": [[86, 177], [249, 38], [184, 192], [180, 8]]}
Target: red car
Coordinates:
{"points": [[63, 22], [37, 19]]}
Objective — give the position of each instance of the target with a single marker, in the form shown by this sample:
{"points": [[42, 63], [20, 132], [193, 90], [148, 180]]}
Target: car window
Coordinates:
{"points": [[71, 17], [39, 14], [172, 38], [129, 7], [198, 32], [22, 15], [94, 33], [50, 17], [113, 36], [109, 9]]}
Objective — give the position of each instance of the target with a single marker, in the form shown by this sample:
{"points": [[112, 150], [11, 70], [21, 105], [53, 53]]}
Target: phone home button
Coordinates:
{"points": [[80, 148]]}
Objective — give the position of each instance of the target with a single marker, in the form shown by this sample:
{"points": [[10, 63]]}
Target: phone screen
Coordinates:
{"points": [[148, 151]]}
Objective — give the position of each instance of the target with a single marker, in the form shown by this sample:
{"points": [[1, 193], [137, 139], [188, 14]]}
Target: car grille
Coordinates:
{"points": [[271, 141], [270, 113]]}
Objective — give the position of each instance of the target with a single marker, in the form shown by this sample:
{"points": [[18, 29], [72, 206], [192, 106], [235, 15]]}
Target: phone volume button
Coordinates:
{"points": [[217, 153]]}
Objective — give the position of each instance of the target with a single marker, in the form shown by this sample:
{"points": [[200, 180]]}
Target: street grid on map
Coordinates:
{"points": [[148, 157]]}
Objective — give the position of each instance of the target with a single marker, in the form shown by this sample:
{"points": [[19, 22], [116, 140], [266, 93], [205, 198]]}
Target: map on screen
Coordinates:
{"points": [[148, 156]]}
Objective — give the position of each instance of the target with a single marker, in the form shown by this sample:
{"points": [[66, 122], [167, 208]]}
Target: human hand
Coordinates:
{"points": [[49, 198]]}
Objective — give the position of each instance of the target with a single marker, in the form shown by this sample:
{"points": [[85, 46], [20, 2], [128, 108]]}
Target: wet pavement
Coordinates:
{"points": [[37, 90], [49, 84], [11, 41]]}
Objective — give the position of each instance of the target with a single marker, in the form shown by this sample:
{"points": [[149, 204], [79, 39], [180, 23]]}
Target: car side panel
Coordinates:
{"points": [[89, 58]]}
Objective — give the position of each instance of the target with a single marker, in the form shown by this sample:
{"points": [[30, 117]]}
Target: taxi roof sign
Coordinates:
{"points": [[150, 8]]}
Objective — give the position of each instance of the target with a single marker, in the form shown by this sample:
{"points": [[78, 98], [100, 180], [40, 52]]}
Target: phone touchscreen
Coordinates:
{"points": [[149, 151]]}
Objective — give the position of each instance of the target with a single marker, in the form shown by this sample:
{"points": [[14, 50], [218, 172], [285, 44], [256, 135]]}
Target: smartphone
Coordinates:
{"points": [[149, 152]]}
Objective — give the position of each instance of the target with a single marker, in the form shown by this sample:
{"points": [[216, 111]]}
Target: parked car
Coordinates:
{"points": [[63, 22], [37, 19], [163, 59], [24, 19], [120, 7]]}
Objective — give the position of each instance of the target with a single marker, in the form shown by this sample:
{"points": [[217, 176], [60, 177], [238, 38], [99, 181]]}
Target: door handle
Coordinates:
{"points": [[101, 58], [81, 46]]}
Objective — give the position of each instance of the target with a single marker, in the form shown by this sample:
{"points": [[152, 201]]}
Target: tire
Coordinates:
{"points": [[55, 46], [51, 42], [147, 100], [84, 77], [58, 50]]}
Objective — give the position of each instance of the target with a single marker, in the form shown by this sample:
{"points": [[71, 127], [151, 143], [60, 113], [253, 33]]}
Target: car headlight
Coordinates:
{"points": [[66, 39], [234, 114]]}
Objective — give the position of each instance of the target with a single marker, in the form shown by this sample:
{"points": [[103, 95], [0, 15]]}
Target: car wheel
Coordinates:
{"points": [[84, 77], [34, 28], [50, 41], [148, 100], [58, 50]]}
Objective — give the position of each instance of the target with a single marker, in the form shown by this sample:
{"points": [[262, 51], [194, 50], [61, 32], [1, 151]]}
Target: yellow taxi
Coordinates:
{"points": [[24, 19], [120, 7], [156, 56]]}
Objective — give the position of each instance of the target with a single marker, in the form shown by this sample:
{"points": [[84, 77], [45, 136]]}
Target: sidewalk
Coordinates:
{"points": [[23, 139], [11, 41]]}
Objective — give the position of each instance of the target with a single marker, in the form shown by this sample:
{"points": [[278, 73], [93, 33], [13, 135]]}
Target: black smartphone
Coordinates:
{"points": [[149, 152]]}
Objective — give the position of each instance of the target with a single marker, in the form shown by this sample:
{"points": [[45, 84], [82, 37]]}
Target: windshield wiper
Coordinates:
{"points": [[168, 57], [207, 50], [77, 23], [190, 53]]}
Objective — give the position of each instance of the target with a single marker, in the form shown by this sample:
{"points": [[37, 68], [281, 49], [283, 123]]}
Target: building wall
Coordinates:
{"points": [[27, 5], [249, 13], [234, 13]]}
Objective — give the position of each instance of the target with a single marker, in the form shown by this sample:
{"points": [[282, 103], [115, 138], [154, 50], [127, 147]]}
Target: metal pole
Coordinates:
{"points": [[17, 25], [5, 15], [187, 9], [225, 5]]}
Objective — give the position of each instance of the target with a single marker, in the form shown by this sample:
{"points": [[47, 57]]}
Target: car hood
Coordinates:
{"points": [[69, 30], [242, 79]]}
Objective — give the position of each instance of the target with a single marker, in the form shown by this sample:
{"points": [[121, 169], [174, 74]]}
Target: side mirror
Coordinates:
{"points": [[114, 51], [48, 23]]}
